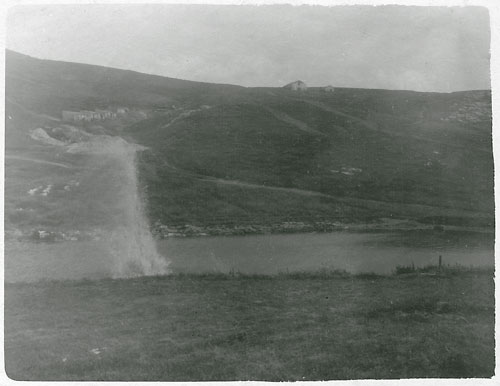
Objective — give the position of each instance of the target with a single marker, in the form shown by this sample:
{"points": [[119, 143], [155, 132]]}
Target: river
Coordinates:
{"points": [[257, 254], [353, 252]]}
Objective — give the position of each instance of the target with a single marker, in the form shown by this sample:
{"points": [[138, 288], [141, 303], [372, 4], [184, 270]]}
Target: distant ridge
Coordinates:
{"points": [[15, 58], [48, 86]]}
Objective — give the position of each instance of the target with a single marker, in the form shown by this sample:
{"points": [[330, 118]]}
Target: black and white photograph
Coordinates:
{"points": [[248, 192]]}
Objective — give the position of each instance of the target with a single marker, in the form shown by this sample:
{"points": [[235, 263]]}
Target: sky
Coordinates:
{"points": [[440, 49]]}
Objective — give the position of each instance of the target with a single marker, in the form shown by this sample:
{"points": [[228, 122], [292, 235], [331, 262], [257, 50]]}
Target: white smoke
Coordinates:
{"points": [[131, 244]]}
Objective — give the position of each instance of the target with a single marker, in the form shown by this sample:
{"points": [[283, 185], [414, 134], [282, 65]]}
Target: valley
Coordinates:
{"points": [[228, 160], [249, 192]]}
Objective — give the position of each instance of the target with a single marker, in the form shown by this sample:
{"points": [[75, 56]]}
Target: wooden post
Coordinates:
{"points": [[440, 262]]}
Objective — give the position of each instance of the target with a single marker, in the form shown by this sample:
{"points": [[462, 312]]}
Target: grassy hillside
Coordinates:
{"points": [[47, 86], [222, 154], [348, 146]]}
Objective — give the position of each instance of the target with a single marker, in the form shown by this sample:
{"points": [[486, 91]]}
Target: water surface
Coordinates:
{"points": [[353, 252], [256, 254]]}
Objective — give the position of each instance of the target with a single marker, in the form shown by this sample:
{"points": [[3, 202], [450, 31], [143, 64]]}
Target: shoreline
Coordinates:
{"points": [[191, 231], [399, 272], [163, 232]]}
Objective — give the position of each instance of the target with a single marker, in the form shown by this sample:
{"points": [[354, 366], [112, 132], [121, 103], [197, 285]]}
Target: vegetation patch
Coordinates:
{"points": [[286, 327]]}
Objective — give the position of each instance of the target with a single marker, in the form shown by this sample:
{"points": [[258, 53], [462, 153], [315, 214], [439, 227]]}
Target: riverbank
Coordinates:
{"points": [[161, 231], [309, 326]]}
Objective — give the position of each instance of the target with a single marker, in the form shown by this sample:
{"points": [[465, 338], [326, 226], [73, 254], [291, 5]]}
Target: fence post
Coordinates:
{"points": [[440, 262]]}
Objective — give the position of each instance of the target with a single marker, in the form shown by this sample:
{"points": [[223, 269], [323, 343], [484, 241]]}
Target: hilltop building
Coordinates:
{"points": [[87, 115], [92, 114], [328, 89], [76, 116], [106, 113], [72, 116], [298, 85]]}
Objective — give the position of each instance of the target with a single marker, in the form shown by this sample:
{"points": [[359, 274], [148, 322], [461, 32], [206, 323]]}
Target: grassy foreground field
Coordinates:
{"points": [[222, 327]]}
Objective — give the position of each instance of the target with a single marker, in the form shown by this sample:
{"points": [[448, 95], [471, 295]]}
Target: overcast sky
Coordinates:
{"points": [[391, 47]]}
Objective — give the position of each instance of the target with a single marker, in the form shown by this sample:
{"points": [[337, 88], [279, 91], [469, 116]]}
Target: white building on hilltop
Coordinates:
{"points": [[298, 85]]}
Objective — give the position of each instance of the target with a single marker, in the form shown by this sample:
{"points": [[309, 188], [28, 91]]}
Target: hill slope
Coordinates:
{"points": [[225, 156], [360, 153]]}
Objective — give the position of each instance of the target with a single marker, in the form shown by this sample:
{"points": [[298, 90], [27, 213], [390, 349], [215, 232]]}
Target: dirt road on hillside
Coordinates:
{"points": [[38, 161], [292, 121]]}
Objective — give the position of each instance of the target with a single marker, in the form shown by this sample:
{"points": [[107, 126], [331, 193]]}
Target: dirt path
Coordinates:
{"points": [[38, 161], [257, 186], [402, 209], [384, 206], [183, 115], [32, 113], [292, 121], [324, 107]]}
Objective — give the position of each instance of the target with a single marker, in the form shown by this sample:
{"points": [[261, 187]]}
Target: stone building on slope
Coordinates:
{"points": [[298, 85]]}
